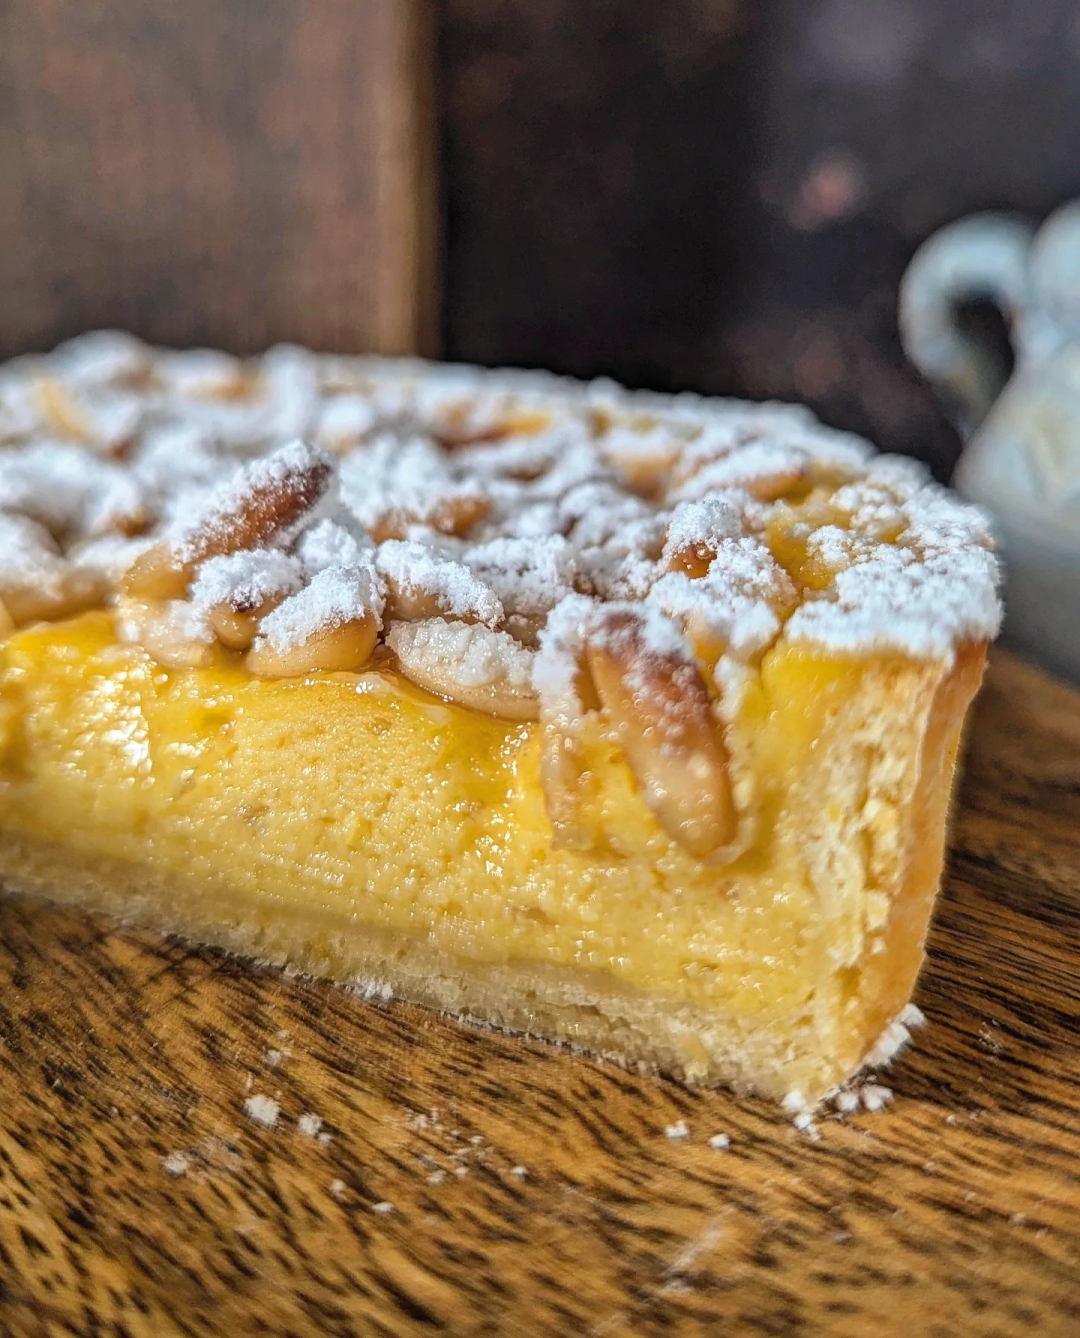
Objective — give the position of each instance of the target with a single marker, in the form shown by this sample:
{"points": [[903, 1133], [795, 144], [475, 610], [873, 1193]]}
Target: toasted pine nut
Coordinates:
{"points": [[157, 574], [159, 627], [521, 423], [70, 591], [261, 504], [670, 737], [693, 559], [61, 410], [438, 587], [770, 487], [645, 472], [236, 628], [453, 515], [468, 663], [345, 647], [409, 603]]}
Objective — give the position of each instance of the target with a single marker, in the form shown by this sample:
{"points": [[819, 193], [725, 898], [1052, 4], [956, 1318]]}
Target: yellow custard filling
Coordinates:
{"points": [[357, 799]]}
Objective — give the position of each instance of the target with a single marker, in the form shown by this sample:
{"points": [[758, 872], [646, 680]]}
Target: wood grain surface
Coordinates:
{"points": [[223, 172], [470, 1183]]}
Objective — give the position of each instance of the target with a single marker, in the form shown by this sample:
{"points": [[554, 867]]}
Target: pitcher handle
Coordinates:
{"points": [[981, 257]]}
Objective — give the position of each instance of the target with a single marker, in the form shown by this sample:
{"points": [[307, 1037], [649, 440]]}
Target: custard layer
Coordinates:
{"points": [[349, 822]]}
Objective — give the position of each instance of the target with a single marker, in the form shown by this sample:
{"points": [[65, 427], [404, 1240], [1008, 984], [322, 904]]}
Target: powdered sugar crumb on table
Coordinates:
{"points": [[309, 1124], [175, 1164], [262, 1110]]}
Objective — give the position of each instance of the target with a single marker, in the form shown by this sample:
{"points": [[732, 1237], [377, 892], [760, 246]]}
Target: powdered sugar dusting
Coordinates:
{"points": [[394, 482], [529, 576], [68, 488], [245, 580], [744, 467], [519, 502], [701, 525], [474, 655], [556, 668], [332, 543], [275, 490], [28, 554], [639, 634], [737, 603], [933, 586], [415, 569], [899, 600], [262, 1110], [333, 597], [109, 556]]}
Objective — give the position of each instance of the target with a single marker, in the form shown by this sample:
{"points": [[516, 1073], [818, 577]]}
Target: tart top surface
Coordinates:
{"points": [[522, 544], [325, 486]]}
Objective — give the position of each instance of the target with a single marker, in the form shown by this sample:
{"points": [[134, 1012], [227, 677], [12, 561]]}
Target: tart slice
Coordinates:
{"points": [[623, 720]]}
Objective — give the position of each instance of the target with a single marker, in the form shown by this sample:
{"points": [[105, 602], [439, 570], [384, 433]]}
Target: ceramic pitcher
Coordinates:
{"points": [[1022, 454]]}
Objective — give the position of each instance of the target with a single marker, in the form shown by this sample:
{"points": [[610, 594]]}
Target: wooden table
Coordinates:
{"points": [[468, 1183]]}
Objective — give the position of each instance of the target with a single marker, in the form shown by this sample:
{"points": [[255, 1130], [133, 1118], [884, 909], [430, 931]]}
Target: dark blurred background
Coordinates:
{"points": [[714, 194], [723, 194]]}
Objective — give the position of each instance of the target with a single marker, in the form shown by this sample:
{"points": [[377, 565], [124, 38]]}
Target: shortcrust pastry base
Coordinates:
{"points": [[590, 1010], [776, 973]]}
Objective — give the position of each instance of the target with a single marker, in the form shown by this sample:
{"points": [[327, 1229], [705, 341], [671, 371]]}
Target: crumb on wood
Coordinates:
{"points": [[875, 1097], [680, 1129], [309, 1124], [262, 1110], [805, 1123], [176, 1163], [871, 1096]]}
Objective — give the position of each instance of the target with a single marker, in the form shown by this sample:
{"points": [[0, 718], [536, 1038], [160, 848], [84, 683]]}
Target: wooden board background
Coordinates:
{"points": [[954, 1212], [223, 172]]}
